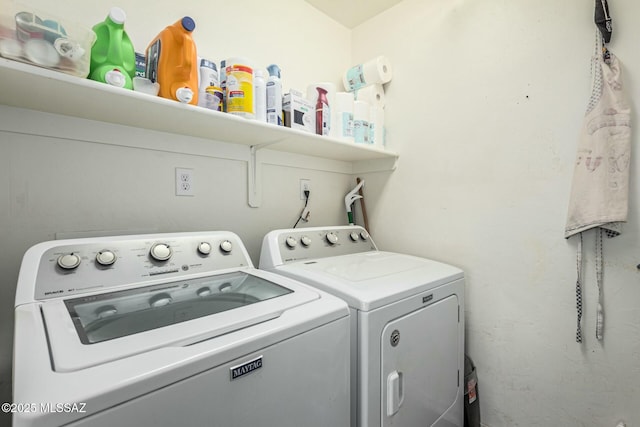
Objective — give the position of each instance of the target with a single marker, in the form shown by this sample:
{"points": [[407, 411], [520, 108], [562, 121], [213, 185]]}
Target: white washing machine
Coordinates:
{"points": [[173, 330], [407, 322]]}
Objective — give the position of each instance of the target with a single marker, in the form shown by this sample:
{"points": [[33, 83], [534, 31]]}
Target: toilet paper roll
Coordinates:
{"points": [[361, 111], [376, 126], [376, 70], [344, 116], [373, 94], [329, 116]]}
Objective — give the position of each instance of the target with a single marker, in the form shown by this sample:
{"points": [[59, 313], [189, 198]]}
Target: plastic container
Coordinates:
{"points": [[323, 113], [223, 83], [274, 96], [208, 80], [113, 58], [260, 95], [361, 111], [39, 37], [471, 394], [344, 115], [172, 61], [239, 88]]}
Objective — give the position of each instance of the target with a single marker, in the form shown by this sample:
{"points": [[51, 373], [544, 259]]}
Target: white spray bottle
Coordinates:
{"points": [[274, 96]]}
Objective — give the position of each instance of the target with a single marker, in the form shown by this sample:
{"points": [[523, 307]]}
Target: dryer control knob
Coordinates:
{"points": [[332, 238], [106, 257], [69, 261], [291, 242], [364, 235], [226, 246], [204, 248], [161, 252], [354, 236], [305, 240]]}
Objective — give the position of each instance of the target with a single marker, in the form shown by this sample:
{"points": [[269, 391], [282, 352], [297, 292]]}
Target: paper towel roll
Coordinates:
{"points": [[361, 111], [376, 70], [312, 95], [344, 116], [373, 94], [376, 126]]}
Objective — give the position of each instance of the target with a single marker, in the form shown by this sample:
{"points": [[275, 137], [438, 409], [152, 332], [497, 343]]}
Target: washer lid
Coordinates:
{"points": [[372, 279], [95, 329]]}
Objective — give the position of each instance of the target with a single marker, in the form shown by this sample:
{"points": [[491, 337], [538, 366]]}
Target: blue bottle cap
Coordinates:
{"points": [[188, 23], [274, 70]]}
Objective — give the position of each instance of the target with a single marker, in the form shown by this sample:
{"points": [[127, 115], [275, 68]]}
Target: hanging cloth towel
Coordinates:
{"points": [[600, 187]]}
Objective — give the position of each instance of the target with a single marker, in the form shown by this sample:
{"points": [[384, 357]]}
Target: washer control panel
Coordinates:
{"points": [[319, 242], [77, 266]]}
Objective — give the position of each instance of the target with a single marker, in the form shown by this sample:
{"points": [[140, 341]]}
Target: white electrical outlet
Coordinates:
{"points": [[184, 182], [305, 185]]}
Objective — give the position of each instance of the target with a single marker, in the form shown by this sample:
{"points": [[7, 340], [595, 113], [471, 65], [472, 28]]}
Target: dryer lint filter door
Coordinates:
{"points": [[420, 354]]}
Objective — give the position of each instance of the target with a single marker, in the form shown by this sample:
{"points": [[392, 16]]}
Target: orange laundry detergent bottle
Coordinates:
{"points": [[172, 62]]}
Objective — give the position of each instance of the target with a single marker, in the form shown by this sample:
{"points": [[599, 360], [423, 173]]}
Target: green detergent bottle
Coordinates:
{"points": [[113, 58]]}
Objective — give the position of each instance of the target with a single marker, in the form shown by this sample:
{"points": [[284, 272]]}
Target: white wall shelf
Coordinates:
{"points": [[30, 87]]}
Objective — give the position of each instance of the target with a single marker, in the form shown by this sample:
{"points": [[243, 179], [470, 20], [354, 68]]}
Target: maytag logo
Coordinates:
{"points": [[246, 368], [427, 298]]}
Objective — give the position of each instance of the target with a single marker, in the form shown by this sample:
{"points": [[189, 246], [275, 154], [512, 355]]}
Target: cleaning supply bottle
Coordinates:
{"points": [[208, 83], [172, 61], [260, 95], [113, 59], [274, 96], [239, 89], [323, 113]]}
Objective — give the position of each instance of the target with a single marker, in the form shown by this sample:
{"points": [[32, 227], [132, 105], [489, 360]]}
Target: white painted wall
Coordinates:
{"points": [[71, 181], [485, 108]]}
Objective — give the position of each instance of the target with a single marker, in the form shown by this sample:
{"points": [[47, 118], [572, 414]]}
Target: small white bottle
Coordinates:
{"points": [[260, 95], [274, 96]]}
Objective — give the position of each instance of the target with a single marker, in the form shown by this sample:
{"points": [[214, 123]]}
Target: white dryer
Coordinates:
{"points": [[173, 330], [407, 322]]}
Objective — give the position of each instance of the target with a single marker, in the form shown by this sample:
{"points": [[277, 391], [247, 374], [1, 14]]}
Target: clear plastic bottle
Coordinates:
{"points": [[274, 96], [323, 113], [260, 95]]}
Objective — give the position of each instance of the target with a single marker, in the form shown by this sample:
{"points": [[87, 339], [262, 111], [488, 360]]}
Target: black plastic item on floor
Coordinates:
{"points": [[471, 394]]}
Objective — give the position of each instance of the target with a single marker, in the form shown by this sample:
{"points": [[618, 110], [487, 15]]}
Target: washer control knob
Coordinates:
{"points": [[332, 238], [203, 292], [160, 300], [161, 252], [305, 240], [354, 236], [204, 248], [291, 242], [364, 235], [106, 257], [69, 261], [226, 246]]}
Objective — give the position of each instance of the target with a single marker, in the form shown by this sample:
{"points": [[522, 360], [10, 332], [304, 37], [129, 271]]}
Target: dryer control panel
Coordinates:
{"points": [[296, 244], [77, 266]]}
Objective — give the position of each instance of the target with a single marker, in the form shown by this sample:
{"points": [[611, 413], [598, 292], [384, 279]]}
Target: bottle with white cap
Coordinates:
{"points": [[274, 96], [113, 59], [260, 94]]}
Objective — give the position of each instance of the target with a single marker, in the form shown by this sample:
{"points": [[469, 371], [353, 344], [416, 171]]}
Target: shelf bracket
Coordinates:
{"points": [[254, 172]]}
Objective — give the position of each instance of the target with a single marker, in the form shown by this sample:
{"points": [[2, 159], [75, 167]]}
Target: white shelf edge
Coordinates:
{"points": [[27, 86]]}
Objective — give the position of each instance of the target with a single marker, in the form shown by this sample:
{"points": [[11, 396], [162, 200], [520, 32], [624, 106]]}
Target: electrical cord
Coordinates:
{"points": [[304, 214]]}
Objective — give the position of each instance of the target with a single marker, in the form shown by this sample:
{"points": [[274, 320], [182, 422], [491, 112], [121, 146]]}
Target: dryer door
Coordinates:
{"points": [[420, 354]]}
